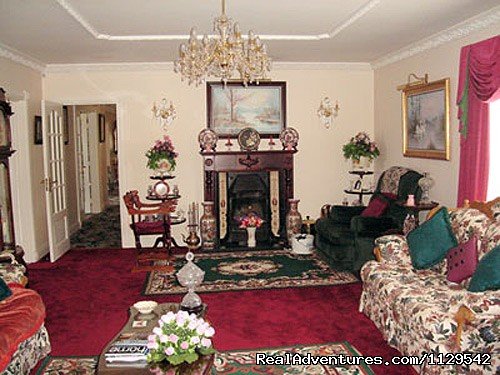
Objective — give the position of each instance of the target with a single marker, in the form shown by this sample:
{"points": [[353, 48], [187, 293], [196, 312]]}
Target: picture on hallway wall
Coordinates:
{"points": [[426, 120], [38, 130], [233, 107], [102, 128]]}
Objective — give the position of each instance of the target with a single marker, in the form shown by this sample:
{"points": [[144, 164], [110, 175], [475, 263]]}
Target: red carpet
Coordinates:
{"points": [[88, 292]]}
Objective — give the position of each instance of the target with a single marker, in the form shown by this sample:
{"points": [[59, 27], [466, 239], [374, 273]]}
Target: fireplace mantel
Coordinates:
{"points": [[218, 166], [246, 161]]}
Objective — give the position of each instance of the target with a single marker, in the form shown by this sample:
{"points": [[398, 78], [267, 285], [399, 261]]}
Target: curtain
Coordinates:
{"points": [[478, 84]]}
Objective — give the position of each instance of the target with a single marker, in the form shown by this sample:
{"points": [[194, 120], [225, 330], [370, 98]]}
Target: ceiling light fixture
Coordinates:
{"points": [[222, 55]]}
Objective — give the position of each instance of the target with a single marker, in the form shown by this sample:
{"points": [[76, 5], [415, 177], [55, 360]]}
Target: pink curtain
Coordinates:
{"points": [[479, 83]]}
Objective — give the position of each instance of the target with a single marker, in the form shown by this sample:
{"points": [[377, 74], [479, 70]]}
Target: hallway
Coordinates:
{"points": [[100, 230]]}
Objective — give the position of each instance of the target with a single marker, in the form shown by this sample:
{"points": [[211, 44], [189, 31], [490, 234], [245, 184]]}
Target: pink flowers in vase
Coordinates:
{"points": [[162, 154], [250, 220]]}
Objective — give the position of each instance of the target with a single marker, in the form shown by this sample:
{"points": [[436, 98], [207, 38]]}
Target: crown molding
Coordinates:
{"points": [[460, 30], [152, 66], [352, 18], [21, 58]]}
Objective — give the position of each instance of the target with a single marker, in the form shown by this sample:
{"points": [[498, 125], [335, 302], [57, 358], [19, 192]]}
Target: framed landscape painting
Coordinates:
{"points": [[426, 120], [233, 107]]}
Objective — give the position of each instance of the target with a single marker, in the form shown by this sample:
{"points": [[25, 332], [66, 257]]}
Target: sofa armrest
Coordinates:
{"points": [[371, 226], [392, 249]]}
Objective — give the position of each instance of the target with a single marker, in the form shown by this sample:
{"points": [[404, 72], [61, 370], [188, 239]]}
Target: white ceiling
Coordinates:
{"points": [[117, 31]]}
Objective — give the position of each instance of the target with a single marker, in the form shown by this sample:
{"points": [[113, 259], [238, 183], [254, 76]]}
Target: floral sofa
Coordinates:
{"points": [[24, 340], [419, 311]]}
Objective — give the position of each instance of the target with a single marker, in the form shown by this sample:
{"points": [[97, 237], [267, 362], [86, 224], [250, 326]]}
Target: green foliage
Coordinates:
{"points": [[360, 146]]}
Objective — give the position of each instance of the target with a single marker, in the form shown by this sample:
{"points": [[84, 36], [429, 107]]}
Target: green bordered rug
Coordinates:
{"points": [[247, 270], [241, 362], [74, 365], [244, 361]]}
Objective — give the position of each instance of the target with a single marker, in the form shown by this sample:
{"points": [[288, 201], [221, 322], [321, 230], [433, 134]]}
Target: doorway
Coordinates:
{"points": [[96, 171]]}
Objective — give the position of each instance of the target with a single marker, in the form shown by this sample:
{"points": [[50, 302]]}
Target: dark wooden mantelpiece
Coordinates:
{"points": [[246, 161]]}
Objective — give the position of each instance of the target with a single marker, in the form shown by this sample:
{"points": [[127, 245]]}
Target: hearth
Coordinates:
{"points": [[239, 182], [247, 192]]}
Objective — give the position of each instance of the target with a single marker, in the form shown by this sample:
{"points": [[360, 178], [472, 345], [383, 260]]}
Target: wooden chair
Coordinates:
{"points": [[139, 211]]}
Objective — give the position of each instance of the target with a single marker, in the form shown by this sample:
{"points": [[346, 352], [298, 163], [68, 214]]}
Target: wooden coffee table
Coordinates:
{"points": [[128, 331]]}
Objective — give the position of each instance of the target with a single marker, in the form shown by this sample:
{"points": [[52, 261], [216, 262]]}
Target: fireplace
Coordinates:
{"points": [[247, 192], [240, 182]]}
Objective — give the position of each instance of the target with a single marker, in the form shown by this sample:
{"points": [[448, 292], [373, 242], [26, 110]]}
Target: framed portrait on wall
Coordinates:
{"points": [[38, 130], [426, 120], [233, 107], [102, 128]]}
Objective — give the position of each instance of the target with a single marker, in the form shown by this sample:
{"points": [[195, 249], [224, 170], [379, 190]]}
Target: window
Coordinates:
{"points": [[494, 173]]}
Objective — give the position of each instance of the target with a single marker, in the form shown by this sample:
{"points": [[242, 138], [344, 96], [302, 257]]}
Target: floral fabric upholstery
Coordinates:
{"points": [[29, 353], [415, 309], [13, 272]]}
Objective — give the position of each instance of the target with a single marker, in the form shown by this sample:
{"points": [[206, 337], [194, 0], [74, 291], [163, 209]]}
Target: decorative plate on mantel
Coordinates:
{"points": [[249, 139], [208, 140], [289, 138]]}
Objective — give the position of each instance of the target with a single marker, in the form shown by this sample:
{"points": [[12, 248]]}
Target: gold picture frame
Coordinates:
{"points": [[426, 120]]}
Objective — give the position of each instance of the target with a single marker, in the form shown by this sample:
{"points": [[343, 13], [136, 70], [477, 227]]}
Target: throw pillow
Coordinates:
{"points": [[461, 261], [4, 290], [430, 242], [376, 208], [487, 275]]}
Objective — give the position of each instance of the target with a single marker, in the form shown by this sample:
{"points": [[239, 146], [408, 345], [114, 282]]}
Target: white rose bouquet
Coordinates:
{"points": [[180, 337]]}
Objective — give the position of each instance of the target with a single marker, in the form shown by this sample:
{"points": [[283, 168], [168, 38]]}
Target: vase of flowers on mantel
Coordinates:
{"points": [[251, 222], [361, 150], [161, 157]]}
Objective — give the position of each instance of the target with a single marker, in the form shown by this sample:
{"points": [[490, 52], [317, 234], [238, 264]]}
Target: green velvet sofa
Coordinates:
{"points": [[345, 239]]}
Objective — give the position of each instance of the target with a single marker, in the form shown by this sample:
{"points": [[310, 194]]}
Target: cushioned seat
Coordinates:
{"points": [[148, 227]]}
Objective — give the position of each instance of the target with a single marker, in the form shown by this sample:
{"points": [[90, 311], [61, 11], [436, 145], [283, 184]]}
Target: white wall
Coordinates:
{"points": [[320, 169], [440, 62], [17, 79]]}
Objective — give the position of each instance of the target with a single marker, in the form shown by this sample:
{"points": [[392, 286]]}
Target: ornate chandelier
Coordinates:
{"points": [[223, 54]]}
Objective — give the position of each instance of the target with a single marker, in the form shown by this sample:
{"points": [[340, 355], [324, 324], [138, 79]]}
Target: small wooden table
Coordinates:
{"points": [[128, 331], [417, 208]]}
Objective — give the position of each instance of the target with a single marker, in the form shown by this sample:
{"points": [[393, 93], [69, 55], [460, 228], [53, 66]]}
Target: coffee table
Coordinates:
{"points": [[128, 331]]}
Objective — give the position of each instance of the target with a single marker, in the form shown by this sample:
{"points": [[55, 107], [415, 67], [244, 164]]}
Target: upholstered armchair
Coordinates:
{"points": [[345, 238]]}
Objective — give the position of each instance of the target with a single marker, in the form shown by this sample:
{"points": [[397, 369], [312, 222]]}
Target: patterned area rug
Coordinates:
{"points": [[237, 362], [244, 362], [246, 270], [100, 231], [75, 365]]}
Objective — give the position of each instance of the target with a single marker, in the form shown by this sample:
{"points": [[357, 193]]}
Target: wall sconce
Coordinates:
{"points": [[326, 112], [164, 113]]}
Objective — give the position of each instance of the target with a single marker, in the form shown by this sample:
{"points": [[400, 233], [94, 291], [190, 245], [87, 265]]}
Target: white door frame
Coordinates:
{"points": [[21, 182], [122, 177]]}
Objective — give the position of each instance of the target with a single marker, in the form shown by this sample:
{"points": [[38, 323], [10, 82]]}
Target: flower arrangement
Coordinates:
{"points": [[180, 337], [250, 220], [360, 145], [162, 155]]}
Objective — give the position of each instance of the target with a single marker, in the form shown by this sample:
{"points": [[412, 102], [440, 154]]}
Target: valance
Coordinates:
{"points": [[479, 77]]}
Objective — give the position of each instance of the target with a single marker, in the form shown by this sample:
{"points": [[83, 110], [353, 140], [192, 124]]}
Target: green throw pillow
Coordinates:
{"points": [[487, 274], [430, 242], [4, 290]]}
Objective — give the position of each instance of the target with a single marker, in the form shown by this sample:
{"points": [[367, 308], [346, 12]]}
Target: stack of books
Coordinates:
{"points": [[125, 353]]}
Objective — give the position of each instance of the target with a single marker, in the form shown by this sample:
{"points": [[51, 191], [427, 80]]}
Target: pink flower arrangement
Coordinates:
{"points": [[360, 145], [163, 149], [250, 220]]}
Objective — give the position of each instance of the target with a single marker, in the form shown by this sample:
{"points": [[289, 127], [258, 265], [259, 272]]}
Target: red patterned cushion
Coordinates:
{"points": [[462, 260], [376, 208], [149, 227]]}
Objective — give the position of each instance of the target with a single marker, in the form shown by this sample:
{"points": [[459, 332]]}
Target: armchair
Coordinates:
{"points": [[345, 238]]}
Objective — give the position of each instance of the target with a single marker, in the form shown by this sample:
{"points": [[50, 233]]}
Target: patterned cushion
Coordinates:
{"points": [[462, 261], [149, 227]]}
